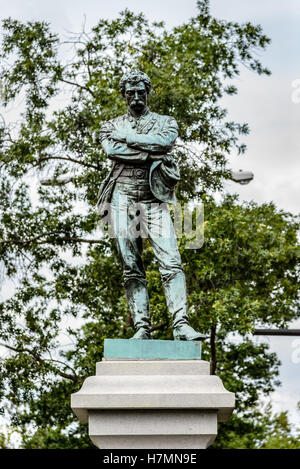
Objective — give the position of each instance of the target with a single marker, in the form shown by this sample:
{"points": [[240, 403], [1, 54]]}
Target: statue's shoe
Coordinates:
{"points": [[141, 333], [186, 332]]}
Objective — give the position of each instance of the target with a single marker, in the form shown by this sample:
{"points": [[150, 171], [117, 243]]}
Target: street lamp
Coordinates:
{"points": [[244, 177], [241, 176]]}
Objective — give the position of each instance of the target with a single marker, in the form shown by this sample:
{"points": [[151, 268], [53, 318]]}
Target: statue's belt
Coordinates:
{"points": [[133, 172]]}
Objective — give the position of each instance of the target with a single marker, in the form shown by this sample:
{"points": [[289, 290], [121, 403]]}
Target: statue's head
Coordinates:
{"points": [[135, 87]]}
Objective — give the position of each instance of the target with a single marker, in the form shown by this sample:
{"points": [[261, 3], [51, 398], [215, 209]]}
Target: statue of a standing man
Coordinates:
{"points": [[144, 173]]}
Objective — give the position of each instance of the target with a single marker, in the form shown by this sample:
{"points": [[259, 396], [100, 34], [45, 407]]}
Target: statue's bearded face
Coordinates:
{"points": [[136, 96]]}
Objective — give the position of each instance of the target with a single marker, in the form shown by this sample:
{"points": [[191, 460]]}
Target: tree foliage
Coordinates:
{"points": [[279, 434], [67, 277], [262, 430]]}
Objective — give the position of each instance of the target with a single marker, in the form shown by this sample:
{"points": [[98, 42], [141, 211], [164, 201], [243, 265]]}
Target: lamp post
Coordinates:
{"points": [[280, 332], [241, 176]]}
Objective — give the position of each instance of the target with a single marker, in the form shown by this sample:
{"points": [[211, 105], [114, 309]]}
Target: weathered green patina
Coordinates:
{"points": [[136, 192], [135, 349]]}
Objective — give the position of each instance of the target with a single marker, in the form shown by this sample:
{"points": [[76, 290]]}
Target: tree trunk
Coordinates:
{"points": [[213, 358]]}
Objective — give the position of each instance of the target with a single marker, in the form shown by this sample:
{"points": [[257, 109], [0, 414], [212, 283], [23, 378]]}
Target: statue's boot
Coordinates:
{"points": [[138, 302], [176, 297]]}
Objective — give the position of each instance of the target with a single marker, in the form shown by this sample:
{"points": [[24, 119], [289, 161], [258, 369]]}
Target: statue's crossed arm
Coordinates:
{"points": [[125, 144]]}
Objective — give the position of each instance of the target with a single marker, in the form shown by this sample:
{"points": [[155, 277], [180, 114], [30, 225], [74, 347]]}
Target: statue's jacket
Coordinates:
{"points": [[149, 141]]}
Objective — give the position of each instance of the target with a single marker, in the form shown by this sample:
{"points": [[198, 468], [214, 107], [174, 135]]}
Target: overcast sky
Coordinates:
{"points": [[264, 102]]}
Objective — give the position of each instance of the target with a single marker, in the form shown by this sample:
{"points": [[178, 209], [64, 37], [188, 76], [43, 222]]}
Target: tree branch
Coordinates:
{"points": [[72, 377], [81, 240], [194, 155], [27, 241], [65, 158], [36, 238], [79, 86]]}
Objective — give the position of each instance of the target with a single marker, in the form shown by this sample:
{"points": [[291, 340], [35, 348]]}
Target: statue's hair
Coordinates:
{"points": [[134, 77]]}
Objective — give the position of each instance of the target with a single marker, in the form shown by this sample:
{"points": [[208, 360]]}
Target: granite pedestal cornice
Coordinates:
{"points": [[152, 403], [153, 385]]}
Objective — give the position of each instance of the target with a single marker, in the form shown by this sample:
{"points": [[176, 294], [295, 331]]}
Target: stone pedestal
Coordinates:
{"points": [[165, 399]]}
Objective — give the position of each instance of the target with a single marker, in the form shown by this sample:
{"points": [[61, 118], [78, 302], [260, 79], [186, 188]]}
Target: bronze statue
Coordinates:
{"points": [[144, 172]]}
